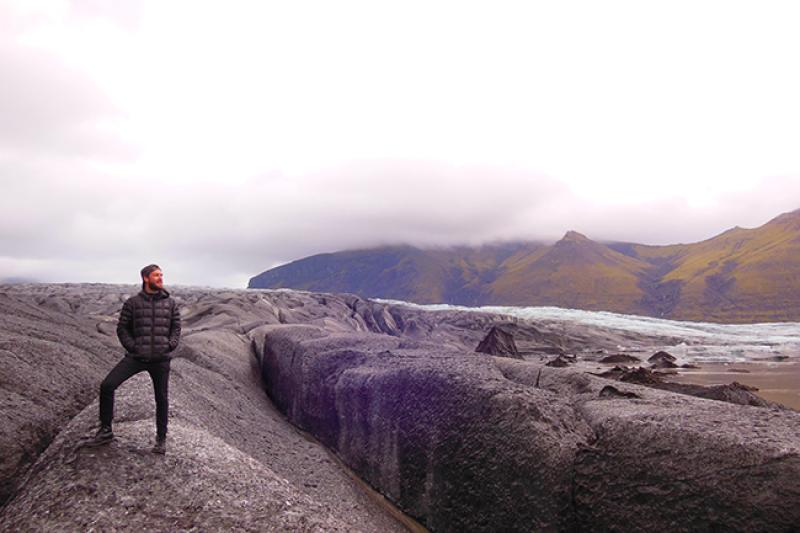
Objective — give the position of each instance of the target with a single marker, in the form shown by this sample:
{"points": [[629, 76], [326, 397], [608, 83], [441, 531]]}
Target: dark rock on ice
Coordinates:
{"points": [[661, 356], [611, 391], [663, 365], [734, 393], [561, 361], [620, 358], [499, 342], [641, 376], [662, 360]]}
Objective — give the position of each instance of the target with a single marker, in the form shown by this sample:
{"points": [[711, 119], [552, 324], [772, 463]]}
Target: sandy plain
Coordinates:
{"points": [[777, 382]]}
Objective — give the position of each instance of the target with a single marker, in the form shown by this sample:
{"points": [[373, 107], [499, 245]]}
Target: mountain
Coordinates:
{"points": [[741, 275], [575, 272], [457, 275]]}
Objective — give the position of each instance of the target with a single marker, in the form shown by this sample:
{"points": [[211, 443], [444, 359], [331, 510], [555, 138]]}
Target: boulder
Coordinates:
{"points": [[561, 361], [611, 391], [499, 342], [641, 376], [661, 356], [620, 358], [732, 393]]}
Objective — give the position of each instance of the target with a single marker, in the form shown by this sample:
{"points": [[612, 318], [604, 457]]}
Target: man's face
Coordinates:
{"points": [[155, 280]]}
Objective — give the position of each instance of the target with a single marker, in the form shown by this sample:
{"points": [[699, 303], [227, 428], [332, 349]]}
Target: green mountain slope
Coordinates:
{"points": [[454, 275], [575, 272], [741, 275]]}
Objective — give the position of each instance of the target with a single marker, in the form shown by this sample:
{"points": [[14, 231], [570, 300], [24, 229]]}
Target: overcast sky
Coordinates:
{"points": [[219, 139]]}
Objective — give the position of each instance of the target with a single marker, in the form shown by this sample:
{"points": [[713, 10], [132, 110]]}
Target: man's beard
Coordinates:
{"points": [[152, 287]]}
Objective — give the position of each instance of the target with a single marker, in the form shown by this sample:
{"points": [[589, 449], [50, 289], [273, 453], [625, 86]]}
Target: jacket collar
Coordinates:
{"points": [[160, 295]]}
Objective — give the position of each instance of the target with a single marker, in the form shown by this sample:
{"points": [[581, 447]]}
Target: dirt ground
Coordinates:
{"points": [[777, 382]]}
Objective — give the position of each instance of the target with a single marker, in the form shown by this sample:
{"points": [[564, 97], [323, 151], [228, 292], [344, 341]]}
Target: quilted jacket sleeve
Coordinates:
{"points": [[125, 327], [175, 327]]}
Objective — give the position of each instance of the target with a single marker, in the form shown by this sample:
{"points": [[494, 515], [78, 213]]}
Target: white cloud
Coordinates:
{"points": [[227, 138]]}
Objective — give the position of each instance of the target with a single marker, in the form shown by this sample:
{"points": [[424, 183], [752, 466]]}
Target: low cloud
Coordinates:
{"points": [[100, 228], [676, 220], [50, 110], [215, 232]]}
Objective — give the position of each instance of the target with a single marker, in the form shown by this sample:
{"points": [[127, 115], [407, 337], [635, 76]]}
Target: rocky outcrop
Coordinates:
{"points": [[440, 433], [561, 361], [620, 358], [499, 342], [465, 443], [732, 393], [662, 360]]}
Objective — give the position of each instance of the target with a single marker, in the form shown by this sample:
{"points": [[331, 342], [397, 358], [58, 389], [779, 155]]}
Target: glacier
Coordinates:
{"points": [[702, 342]]}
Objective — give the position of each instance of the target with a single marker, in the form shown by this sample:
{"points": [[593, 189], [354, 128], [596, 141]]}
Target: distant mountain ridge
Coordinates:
{"points": [[741, 275]]}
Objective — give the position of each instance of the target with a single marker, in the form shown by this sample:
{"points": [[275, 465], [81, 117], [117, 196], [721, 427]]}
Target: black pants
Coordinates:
{"points": [[125, 369]]}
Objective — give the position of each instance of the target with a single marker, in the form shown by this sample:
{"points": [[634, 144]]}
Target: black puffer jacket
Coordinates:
{"points": [[149, 326]]}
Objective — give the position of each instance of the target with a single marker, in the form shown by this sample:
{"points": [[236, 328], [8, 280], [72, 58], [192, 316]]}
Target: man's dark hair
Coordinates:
{"points": [[146, 271]]}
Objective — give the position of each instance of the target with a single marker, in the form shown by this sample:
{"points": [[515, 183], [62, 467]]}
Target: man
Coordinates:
{"points": [[149, 328]]}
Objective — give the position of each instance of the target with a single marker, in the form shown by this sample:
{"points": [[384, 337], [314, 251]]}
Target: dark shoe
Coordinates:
{"points": [[160, 446], [103, 436]]}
